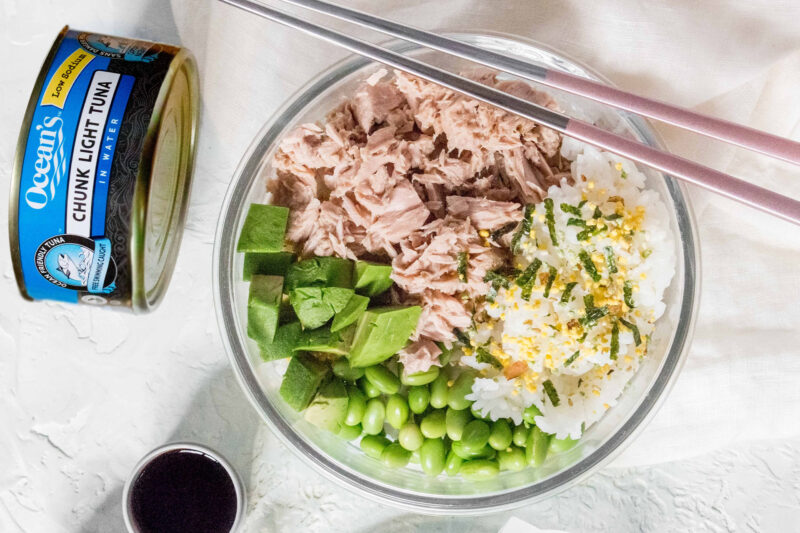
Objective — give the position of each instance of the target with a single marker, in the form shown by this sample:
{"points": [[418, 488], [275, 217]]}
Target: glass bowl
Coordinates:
{"points": [[410, 488]]}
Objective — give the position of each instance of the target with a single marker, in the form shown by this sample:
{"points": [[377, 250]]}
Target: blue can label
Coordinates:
{"points": [[81, 165]]}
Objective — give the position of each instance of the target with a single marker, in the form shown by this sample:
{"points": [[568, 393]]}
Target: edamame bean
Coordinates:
{"points": [[536, 447], [455, 421], [356, 405], [420, 378], [350, 432], [453, 463], [383, 379], [500, 437], [520, 436], [373, 445], [374, 415], [561, 445], [395, 456], [478, 469], [512, 458], [439, 391], [530, 413], [418, 398], [369, 390], [433, 425], [432, 456], [341, 368], [461, 387], [476, 435], [475, 413], [396, 411], [542, 448], [487, 452], [410, 437]]}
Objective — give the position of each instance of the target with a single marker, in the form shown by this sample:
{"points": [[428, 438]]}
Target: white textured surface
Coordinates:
{"points": [[84, 393]]}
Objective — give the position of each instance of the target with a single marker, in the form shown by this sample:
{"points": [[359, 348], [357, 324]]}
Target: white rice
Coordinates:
{"points": [[536, 330]]}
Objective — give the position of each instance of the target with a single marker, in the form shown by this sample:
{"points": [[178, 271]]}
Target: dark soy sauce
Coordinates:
{"points": [[183, 491]]}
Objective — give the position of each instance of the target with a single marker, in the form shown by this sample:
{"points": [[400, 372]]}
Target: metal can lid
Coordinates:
{"points": [[162, 192]]}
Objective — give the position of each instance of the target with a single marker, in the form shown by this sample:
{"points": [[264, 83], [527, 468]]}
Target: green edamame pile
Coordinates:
{"points": [[426, 418]]}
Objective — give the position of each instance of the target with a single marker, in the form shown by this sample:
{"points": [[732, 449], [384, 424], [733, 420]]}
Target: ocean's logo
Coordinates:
{"points": [[117, 48], [79, 263], [49, 168]]}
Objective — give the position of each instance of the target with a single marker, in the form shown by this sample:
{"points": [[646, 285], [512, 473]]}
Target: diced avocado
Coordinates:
{"points": [[381, 332], [284, 344], [309, 307], [337, 297], [316, 305], [329, 407], [264, 229], [320, 272], [324, 340], [352, 311], [287, 311], [266, 264], [263, 307], [302, 379], [372, 278]]}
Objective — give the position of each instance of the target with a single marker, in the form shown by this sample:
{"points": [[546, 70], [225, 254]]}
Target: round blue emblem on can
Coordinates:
{"points": [[78, 263]]}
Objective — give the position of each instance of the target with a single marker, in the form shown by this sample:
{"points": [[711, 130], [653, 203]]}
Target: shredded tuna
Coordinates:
{"points": [[483, 213], [441, 314], [334, 234], [302, 221], [411, 172], [429, 259], [372, 103], [419, 356]]}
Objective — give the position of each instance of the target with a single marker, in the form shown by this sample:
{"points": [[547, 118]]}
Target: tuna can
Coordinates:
{"points": [[101, 175]]}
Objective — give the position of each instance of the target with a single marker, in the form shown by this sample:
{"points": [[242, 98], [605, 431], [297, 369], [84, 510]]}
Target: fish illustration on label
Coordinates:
{"points": [[78, 263]]}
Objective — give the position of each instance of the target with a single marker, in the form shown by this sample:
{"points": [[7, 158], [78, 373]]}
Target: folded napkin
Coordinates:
{"points": [[740, 378]]}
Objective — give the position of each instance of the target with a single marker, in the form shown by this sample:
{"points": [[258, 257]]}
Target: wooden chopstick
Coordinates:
{"points": [[723, 130], [713, 180]]}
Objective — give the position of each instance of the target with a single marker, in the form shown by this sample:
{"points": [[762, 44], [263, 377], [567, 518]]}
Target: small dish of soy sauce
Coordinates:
{"points": [[183, 487]]}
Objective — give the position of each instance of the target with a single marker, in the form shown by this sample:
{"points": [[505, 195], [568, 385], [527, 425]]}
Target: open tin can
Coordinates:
{"points": [[102, 171]]}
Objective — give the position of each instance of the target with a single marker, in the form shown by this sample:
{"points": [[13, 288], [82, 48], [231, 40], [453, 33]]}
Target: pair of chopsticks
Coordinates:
{"points": [[690, 171]]}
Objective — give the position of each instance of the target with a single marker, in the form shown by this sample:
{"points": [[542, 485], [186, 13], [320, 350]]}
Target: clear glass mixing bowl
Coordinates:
{"points": [[410, 488]]}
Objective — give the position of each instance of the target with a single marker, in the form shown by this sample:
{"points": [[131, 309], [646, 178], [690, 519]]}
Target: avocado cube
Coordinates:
{"points": [[287, 311], [284, 344], [264, 229], [352, 311], [309, 306], [316, 305], [302, 379], [263, 307], [372, 278], [337, 297], [320, 272], [266, 264], [381, 332], [324, 340], [329, 407]]}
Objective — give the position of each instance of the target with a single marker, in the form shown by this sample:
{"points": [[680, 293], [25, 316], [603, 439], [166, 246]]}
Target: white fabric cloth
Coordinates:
{"points": [[84, 393]]}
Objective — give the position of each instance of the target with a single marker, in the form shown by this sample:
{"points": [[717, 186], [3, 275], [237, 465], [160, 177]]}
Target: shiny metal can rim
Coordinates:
{"points": [[143, 298]]}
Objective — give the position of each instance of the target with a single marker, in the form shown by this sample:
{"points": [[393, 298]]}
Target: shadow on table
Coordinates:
{"points": [[219, 417]]}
